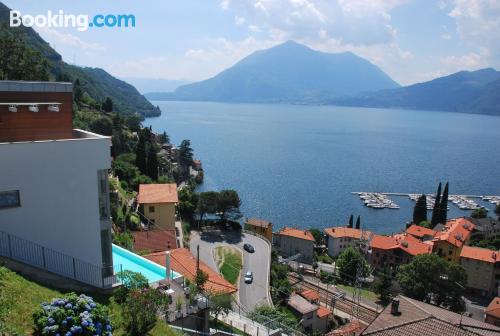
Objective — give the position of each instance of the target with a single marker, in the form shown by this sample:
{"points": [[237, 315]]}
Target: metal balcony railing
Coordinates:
{"points": [[45, 258]]}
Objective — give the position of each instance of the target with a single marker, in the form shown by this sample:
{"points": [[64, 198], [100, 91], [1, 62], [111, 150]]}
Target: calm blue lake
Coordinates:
{"points": [[297, 165]]}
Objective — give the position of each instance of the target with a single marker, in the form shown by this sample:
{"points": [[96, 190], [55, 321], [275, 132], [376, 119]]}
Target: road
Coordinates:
{"points": [[250, 295]]}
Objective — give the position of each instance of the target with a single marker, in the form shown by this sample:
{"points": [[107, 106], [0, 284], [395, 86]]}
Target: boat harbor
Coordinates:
{"points": [[377, 200]]}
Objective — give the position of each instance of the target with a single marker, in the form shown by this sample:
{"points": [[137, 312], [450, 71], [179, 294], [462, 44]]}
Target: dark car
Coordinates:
{"points": [[249, 248]]}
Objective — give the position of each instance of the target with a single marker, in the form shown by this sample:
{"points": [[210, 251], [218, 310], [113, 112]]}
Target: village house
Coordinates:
{"points": [[157, 202], [260, 226], [485, 228], [448, 242], [405, 316], [339, 238], [420, 232], [483, 269], [54, 197], [393, 251], [492, 312], [291, 242], [312, 317]]}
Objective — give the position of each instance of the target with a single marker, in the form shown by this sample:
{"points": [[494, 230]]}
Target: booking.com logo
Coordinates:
{"points": [[82, 22]]}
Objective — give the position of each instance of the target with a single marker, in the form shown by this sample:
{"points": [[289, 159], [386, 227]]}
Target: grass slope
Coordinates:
{"points": [[230, 262], [19, 297]]}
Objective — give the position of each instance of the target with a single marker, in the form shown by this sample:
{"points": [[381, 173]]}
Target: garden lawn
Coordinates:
{"points": [[367, 294], [230, 262], [19, 297]]}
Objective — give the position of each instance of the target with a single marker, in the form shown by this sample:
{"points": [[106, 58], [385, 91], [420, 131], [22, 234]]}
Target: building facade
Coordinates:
{"points": [[339, 238], [448, 242], [261, 227], [483, 269], [290, 242], [54, 197], [312, 317], [157, 202]]}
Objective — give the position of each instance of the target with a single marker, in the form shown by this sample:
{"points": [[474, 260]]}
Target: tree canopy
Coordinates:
{"points": [[348, 262], [227, 200], [479, 213], [420, 210]]}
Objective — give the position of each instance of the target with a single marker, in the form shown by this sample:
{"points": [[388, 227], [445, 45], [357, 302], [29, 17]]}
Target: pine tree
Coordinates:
{"points": [[107, 105], [443, 211], [358, 223], [437, 205], [140, 155], [152, 163], [420, 210], [351, 221]]}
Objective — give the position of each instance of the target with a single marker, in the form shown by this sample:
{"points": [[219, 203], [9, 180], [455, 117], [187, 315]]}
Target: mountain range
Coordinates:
{"points": [[294, 73], [95, 82], [289, 72]]}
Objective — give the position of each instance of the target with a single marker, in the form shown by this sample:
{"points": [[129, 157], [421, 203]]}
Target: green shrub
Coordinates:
{"points": [[130, 281]]}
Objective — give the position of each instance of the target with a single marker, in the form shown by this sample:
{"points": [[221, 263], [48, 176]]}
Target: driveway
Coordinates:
{"points": [[250, 295]]}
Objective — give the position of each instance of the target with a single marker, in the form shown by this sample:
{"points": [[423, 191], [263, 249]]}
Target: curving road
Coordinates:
{"points": [[250, 295]]}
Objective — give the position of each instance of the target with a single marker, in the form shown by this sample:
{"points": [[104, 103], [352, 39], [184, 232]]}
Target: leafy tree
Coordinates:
{"points": [[348, 262], [220, 304], [443, 208], [152, 163], [107, 105], [207, 203], [420, 210], [17, 60], [134, 123], [130, 281], [227, 200], [141, 308], [200, 279], [425, 224], [479, 213], [383, 285], [125, 170], [140, 179], [272, 317], [358, 222], [436, 215], [77, 91], [492, 243], [102, 125], [185, 153], [428, 278], [187, 203], [319, 237], [140, 154], [163, 138], [124, 239], [351, 221]]}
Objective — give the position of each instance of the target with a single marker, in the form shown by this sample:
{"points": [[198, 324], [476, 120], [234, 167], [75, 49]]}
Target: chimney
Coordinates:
{"points": [[395, 307]]}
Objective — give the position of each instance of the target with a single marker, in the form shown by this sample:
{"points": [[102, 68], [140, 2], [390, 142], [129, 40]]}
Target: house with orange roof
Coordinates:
{"points": [[290, 242], [492, 312], [260, 226], [339, 238], [395, 250], [448, 242], [421, 232], [483, 269], [157, 202], [184, 262], [312, 317], [310, 295]]}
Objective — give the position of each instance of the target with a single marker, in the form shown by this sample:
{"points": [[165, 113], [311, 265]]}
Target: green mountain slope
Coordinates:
{"points": [[289, 72], [97, 83]]}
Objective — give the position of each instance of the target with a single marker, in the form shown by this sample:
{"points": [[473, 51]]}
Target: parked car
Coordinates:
{"points": [[249, 248], [248, 277]]}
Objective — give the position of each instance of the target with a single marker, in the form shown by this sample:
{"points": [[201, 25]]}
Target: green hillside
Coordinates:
{"points": [[96, 83]]}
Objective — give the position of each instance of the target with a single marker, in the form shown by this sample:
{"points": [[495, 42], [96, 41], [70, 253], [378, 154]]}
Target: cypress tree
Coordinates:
{"points": [[436, 217], [443, 211], [152, 163], [140, 155], [420, 210], [351, 221], [358, 223]]}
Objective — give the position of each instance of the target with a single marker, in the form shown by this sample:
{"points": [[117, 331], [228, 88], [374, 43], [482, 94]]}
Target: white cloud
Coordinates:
{"points": [[58, 38], [469, 61], [446, 36], [254, 29], [239, 20], [224, 4]]}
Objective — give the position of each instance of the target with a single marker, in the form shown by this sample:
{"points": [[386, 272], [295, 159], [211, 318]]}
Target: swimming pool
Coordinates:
{"points": [[125, 260]]}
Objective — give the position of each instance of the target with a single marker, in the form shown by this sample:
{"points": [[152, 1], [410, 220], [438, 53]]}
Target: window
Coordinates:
{"points": [[107, 252], [9, 199], [151, 208], [103, 189]]}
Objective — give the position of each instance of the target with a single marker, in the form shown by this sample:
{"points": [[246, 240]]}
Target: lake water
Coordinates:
{"points": [[297, 165]]}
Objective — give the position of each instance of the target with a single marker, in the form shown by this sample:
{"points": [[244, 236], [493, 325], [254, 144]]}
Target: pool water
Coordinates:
{"points": [[124, 260]]}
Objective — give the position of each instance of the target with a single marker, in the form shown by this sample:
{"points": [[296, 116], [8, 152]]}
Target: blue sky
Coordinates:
{"points": [[412, 41]]}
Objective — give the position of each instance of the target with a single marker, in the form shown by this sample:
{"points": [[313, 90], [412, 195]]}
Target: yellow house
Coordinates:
{"points": [[261, 227], [448, 242], [157, 202]]}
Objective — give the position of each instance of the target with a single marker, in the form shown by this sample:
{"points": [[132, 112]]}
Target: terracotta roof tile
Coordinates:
{"points": [[296, 233], [405, 242], [154, 240], [342, 231], [493, 308], [477, 253], [456, 231], [420, 231], [322, 312], [310, 295], [258, 222], [157, 193], [350, 329], [184, 262]]}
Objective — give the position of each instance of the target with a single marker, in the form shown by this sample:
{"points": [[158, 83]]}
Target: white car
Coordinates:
{"points": [[248, 277]]}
